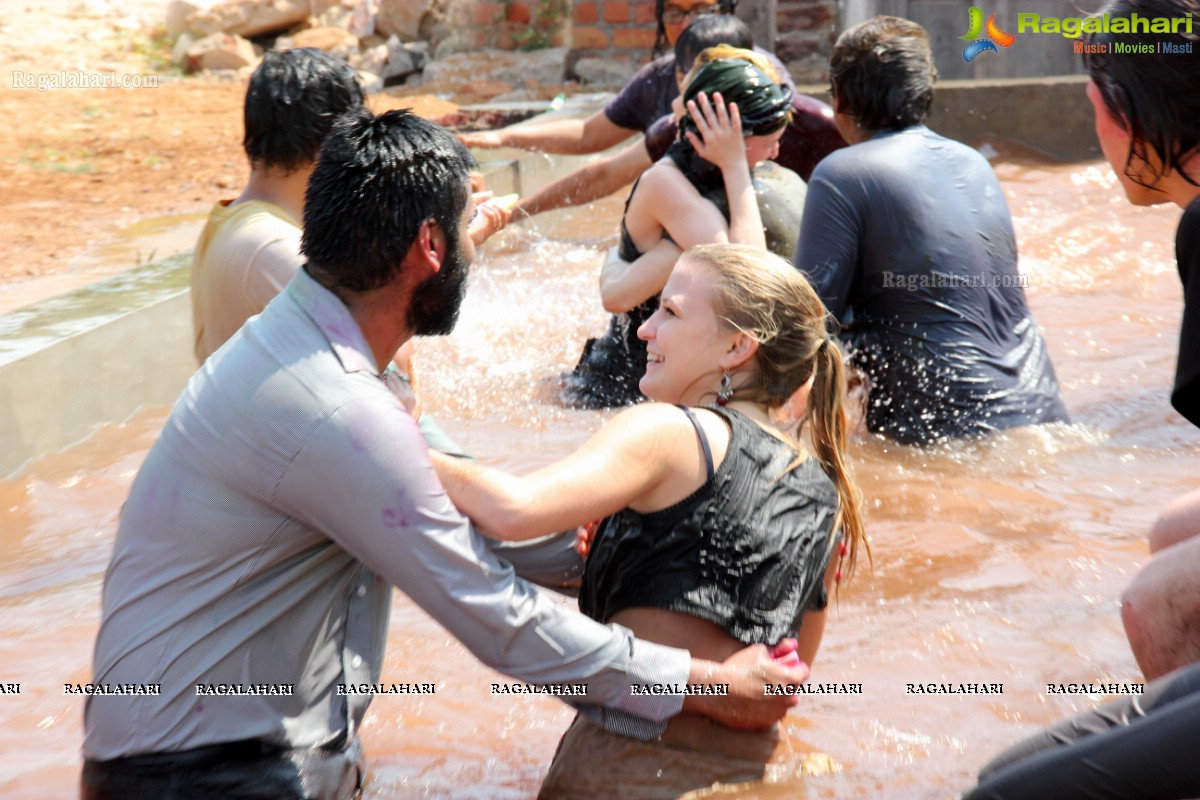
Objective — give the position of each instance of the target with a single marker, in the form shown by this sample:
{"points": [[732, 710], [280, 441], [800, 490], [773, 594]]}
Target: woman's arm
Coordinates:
{"points": [[590, 182], [624, 462], [570, 136], [625, 284], [812, 624], [723, 145]]}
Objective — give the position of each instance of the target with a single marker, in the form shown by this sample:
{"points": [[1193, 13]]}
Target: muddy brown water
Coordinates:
{"points": [[998, 561]]}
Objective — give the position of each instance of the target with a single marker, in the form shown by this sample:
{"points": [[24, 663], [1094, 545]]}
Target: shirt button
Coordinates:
{"points": [[362, 591], [356, 662]]}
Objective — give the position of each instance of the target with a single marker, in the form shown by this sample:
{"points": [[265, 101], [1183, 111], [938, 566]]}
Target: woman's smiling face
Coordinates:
{"points": [[685, 340]]}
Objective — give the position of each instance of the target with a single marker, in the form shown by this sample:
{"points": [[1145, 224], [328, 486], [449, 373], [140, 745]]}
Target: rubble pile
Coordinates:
{"points": [[387, 41]]}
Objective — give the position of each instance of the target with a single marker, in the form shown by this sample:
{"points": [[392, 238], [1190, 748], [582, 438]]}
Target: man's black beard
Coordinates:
{"points": [[437, 301]]}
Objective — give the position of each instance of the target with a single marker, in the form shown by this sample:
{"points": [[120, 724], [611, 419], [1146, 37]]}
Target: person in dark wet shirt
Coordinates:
{"points": [[910, 243]]}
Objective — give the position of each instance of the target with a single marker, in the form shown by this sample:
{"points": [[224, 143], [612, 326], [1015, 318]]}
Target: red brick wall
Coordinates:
{"points": [[510, 25], [615, 30], [622, 31]]}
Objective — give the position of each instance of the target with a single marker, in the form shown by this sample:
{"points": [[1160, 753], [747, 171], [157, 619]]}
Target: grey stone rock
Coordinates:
{"points": [[220, 51], [249, 17], [604, 71], [401, 18]]}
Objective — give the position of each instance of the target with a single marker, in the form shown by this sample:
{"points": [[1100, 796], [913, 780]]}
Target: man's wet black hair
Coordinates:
{"points": [[291, 103], [1156, 98], [709, 32], [883, 74], [660, 36], [377, 180]]}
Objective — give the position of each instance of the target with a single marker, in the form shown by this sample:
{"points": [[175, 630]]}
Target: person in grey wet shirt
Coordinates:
{"points": [[291, 488], [909, 241]]}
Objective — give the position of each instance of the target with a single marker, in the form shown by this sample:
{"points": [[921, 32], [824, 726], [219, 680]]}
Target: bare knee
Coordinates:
{"points": [[1179, 522], [1160, 611], [1140, 608]]}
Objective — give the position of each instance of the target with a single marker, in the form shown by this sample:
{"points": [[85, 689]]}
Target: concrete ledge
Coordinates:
{"points": [[1052, 115], [56, 395]]}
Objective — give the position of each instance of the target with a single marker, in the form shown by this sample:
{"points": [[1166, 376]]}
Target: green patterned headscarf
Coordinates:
{"points": [[762, 103]]}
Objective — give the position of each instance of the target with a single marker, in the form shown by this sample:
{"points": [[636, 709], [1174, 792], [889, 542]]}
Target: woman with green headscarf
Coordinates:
{"points": [[733, 110]]}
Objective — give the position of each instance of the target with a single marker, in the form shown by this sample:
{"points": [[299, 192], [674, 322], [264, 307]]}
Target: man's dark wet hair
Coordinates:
{"points": [[1155, 98], [882, 73], [709, 32], [377, 180], [291, 103], [660, 35]]}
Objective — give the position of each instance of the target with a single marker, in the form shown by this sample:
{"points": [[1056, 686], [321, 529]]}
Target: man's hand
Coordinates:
{"points": [[747, 672], [491, 217]]}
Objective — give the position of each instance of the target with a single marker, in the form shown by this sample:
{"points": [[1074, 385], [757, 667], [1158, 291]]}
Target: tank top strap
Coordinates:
{"points": [[708, 459]]}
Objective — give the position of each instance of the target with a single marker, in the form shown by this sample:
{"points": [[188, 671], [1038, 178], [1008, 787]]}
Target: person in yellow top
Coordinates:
{"points": [[250, 247]]}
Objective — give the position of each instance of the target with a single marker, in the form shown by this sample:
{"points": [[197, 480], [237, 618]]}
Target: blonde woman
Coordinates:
{"points": [[719, 527]]}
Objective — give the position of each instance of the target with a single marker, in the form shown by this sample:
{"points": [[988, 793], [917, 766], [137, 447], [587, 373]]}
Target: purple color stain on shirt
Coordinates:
{"points": [[394, 518], [359, 429], [330, 323]]}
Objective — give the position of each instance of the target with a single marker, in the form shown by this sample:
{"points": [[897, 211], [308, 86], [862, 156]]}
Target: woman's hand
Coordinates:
{"points": [[721, 129], [584, 535], [484, 140], [724, 146], [491, 217]]}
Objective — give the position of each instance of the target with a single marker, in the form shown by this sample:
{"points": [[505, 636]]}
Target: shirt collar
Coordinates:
{"points": [[331, 316]]}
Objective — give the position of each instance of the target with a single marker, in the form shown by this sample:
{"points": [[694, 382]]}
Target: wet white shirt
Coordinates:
{"points": [[288, 491]]}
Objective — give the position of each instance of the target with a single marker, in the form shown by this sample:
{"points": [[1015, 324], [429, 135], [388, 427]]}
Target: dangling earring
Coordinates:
{"points": [[726, 390]]}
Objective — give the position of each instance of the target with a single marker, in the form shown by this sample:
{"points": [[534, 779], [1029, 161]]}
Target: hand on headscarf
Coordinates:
{"points": [[719, 126]]}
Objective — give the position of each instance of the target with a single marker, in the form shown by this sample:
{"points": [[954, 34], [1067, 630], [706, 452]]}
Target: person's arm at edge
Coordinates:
{"points": [[562, 136], [344, 482], [590, 182], [490, 218]]}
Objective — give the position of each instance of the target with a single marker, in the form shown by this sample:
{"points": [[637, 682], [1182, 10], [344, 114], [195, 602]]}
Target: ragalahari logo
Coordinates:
{"points": [[994, 37]]}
